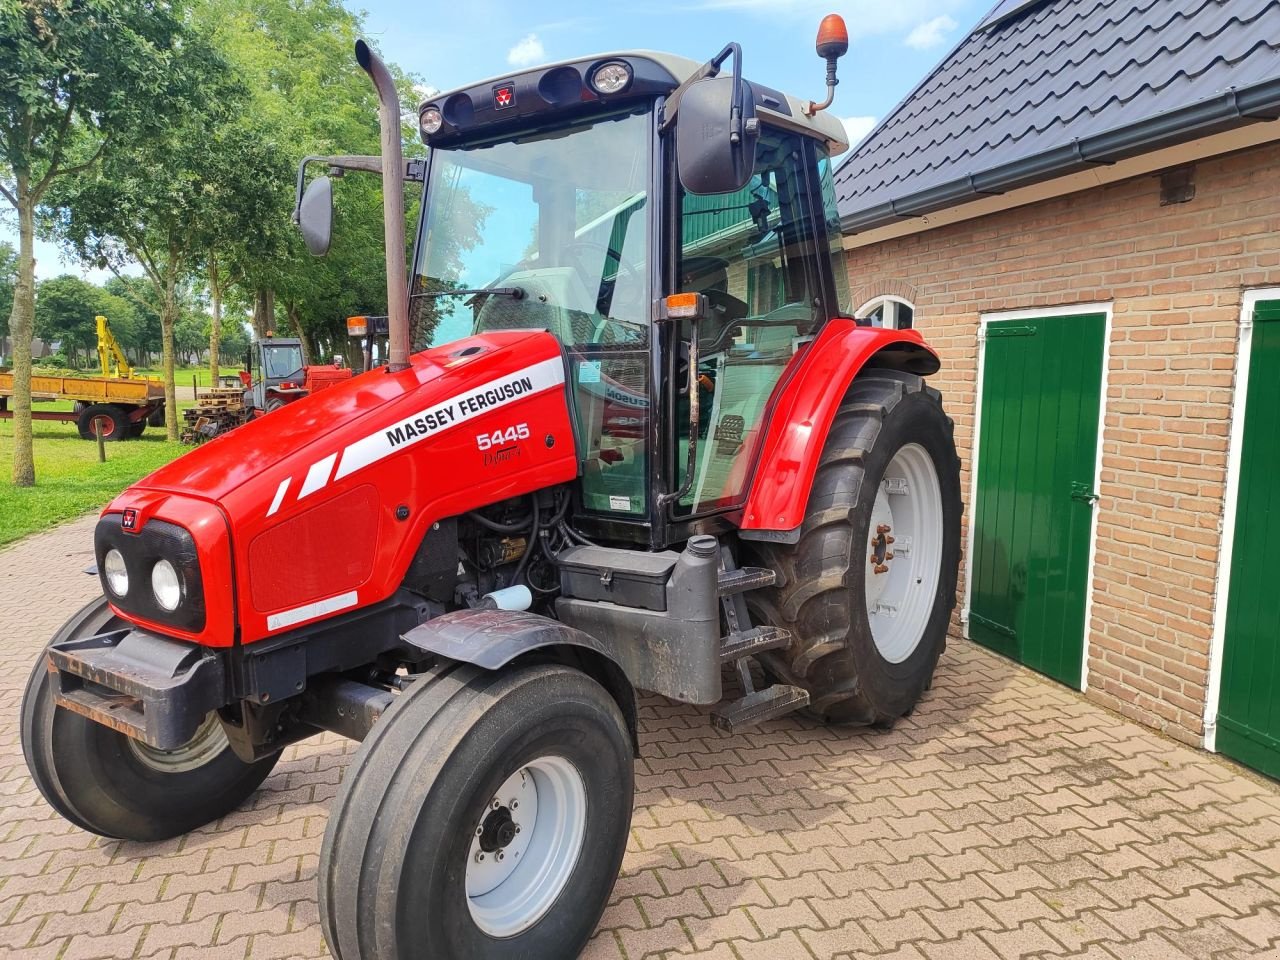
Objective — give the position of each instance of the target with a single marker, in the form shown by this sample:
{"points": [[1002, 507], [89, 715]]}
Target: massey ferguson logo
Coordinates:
{"points": [[460, 408], [130, 520], [504, 96]]}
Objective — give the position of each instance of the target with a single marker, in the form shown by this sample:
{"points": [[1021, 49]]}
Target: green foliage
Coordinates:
{"points": [[66, 308], [8, 277]]}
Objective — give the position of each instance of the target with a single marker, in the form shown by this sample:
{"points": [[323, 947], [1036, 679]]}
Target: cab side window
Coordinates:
{"points": [[752, 255]]}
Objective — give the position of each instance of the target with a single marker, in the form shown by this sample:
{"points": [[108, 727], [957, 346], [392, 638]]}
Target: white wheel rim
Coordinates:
{"points": [[209, 741], [904, 553], [511, 888]]}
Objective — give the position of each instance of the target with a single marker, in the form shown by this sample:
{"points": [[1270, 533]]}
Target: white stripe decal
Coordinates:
{"points": [[317, 476], [450, 413], [279, 498], [288, 618]]}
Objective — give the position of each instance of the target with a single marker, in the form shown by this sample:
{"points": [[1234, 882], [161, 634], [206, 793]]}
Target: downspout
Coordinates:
{"points": [[392, 206]]}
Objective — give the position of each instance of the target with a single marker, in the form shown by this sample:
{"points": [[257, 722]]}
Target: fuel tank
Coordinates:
{"points": [[325, 502]]}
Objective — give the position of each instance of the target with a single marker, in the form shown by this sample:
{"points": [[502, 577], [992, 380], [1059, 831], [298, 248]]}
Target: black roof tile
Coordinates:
{"points": [[1061, 77]]}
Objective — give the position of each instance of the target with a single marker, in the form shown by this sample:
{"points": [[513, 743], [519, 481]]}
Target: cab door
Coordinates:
{"points": [[754, 256]]}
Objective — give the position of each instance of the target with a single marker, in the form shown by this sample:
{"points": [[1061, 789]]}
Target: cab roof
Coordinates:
{"points": [[563, 82]]}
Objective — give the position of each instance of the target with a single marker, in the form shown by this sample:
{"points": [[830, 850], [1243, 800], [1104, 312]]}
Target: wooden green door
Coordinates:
{"points": [[1249, 698], [1033, 515]]}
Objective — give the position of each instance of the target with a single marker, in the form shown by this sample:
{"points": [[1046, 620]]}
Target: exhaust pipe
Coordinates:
{"points": [[392, 205]]}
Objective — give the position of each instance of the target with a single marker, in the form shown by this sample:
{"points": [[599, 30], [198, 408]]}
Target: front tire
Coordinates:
{"points": [[109, 784], [868, 590], [533, 764]]}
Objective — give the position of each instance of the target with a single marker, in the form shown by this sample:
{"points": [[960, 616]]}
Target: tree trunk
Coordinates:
{"points": [[215, 326], [21, 323], [168, 316], [264, 313], [295, 321]]}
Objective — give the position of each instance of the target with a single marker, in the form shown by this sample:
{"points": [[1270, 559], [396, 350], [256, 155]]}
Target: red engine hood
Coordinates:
{"points": [[222, 465]]}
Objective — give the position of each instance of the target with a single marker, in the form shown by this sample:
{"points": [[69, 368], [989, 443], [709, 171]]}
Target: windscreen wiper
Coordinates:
{"points": [[515, 293]]}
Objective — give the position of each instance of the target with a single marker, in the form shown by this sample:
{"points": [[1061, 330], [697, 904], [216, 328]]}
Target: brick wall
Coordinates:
{"points": [[1175, 276]]}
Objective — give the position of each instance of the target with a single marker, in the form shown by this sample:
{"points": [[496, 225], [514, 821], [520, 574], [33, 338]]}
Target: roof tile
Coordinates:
{"points": [[1056, 73]]}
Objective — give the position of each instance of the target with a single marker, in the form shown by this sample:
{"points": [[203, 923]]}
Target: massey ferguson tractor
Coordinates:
{"points": [[649, 450]]}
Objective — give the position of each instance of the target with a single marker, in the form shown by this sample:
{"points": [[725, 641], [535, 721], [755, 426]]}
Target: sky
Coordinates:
{"points": [[893, 45]]}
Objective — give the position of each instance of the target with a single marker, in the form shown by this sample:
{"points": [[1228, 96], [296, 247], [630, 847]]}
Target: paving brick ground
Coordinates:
{"points": [[1007, 818]]}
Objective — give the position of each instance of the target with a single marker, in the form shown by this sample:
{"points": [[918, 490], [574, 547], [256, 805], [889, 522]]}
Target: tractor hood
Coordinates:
{"points": [[341, 415], [322, 505]]}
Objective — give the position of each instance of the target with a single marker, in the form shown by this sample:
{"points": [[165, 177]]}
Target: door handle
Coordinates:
{"points": [[1080, 491]]}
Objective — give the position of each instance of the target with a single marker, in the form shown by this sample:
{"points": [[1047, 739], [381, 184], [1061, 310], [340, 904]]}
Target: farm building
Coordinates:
{"points": [[1080, 207]]}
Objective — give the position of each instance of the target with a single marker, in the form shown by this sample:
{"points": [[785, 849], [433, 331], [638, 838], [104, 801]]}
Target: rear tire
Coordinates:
{"points": [[400, 870], [864, 647], [114, 421], [138, 428], [107, 783]]}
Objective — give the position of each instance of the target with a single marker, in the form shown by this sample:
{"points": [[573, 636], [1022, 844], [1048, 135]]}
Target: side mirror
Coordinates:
{"points": [[315, 216], [716, 135]]}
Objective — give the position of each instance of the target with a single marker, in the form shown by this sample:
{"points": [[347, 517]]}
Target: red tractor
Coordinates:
{"points": [[275, 375], [649, 445]]}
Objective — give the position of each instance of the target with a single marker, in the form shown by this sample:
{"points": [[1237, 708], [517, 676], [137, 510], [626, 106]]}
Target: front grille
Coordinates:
{"points": [[157, 540]]}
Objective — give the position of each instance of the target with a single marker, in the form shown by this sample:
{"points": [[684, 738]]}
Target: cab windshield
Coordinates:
{"points": [[547, 230], [281, 360]]}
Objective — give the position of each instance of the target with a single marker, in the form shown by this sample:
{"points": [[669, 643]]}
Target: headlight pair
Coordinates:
{"points": [[165, 584]]}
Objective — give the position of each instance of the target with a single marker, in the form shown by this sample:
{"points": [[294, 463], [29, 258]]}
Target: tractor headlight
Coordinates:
{"points": [[166, 585], [116, 573], [430, 120], [611, 77]]}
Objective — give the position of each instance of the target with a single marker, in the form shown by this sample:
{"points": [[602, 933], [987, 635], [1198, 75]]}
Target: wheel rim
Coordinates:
{"points": [[525, 845], [904, 553], [209, 741], [103, 422]]}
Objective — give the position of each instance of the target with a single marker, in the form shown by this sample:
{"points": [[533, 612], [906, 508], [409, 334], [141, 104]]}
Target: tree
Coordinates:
{"points": [[66, 310], [161, 201], [78, 79], [307, 92]]}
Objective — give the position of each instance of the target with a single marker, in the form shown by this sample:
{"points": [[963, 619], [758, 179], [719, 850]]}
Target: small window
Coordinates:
{"points": [[892, 312]]}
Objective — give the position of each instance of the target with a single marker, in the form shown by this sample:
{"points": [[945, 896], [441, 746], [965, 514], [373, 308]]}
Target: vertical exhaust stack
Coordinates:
{"points": [[392, 205]]}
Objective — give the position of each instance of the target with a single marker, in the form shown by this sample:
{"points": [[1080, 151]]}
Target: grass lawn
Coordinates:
{"points": [[182, 375], [69, 479]]}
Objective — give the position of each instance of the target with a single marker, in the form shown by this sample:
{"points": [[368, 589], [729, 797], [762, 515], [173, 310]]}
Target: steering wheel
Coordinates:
{"points": [[577, 252]]}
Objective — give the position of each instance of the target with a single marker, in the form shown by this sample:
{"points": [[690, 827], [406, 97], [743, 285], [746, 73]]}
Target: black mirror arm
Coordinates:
{"points": [[338, 165], [709, 69]]}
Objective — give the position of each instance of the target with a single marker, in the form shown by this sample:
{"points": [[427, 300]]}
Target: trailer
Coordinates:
{"points": [[120, 404]]}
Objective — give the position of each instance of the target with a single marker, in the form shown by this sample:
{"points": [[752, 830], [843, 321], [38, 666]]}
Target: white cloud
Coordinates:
{"points": [[527, 52], [931, 33], [857, 127]]}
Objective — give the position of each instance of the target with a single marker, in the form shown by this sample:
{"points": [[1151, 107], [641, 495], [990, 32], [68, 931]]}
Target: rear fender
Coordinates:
{"points": [[492, 639], [803, 413]]}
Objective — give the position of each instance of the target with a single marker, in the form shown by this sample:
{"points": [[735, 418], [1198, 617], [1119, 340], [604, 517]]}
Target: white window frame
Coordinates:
{"points": [[891, 303], [1035, 313], [1230, 505]]}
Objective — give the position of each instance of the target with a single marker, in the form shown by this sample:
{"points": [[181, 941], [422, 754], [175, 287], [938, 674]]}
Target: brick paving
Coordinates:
{"points": [[1007, 818]]}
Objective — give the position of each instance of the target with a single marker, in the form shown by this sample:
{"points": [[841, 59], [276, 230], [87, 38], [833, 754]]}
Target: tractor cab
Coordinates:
{"points": [[273, 373], [567, 199]]}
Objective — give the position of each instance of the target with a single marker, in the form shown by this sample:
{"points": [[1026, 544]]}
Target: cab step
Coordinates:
{"points": [[762, 705], [742, 579], [755, 640]]}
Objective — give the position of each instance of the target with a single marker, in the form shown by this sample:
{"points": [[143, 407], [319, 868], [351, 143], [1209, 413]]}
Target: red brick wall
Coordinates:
{"points": [[1174, 275]]}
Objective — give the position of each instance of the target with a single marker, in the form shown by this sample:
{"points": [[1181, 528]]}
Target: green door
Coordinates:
{"points": [[1249, 704], [1033, 515]]}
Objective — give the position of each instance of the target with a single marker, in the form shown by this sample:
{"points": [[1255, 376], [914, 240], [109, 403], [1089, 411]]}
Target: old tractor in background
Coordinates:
{"points": [[274, 375], [648, 449]]}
